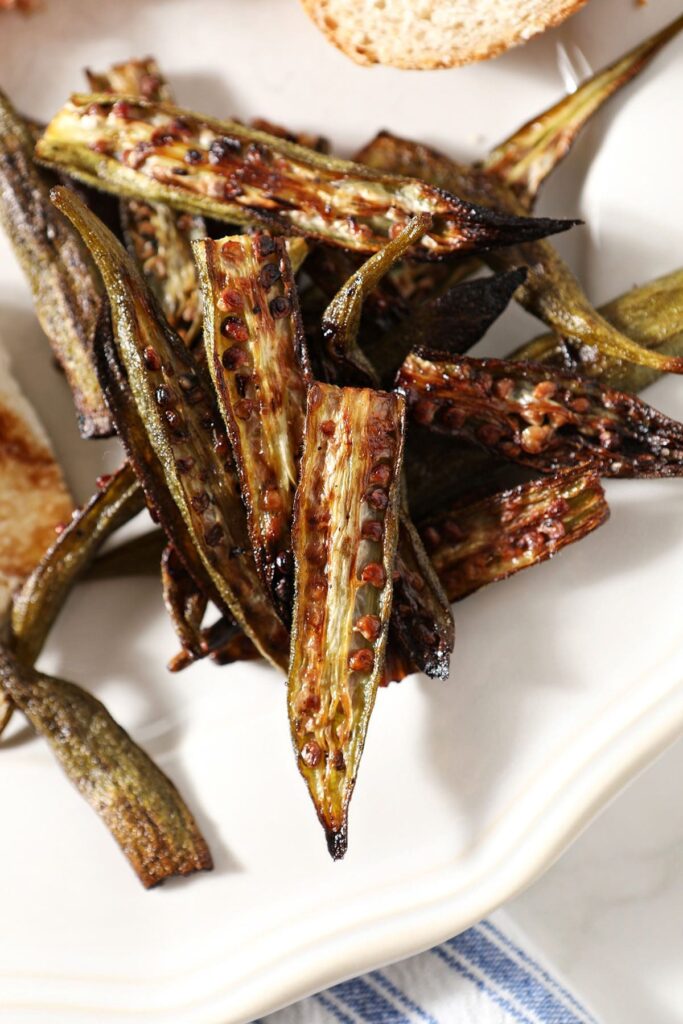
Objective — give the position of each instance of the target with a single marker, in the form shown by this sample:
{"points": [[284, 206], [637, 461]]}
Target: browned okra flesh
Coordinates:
{"points": [[345, 531]]}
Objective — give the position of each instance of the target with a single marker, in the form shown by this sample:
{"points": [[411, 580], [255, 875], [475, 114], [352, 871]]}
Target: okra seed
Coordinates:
{"points": [[311, 754], [377, 498], [381, 475], [213, 535], [374, 574], [369, 626], [268, 275], [234, 327], [152, 361], [265, 245], [230, 299], [234, 357], [279, 307], [372, 530], [272, 501], [362, 660]]}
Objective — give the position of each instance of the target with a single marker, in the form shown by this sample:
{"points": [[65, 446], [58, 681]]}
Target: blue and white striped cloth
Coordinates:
{"points": [[484, 976]]}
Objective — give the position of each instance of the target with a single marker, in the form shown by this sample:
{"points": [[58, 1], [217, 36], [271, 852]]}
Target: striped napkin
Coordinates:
{"points": [[486, 975]]}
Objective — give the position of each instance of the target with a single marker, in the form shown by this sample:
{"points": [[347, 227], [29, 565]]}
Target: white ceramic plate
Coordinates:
{"points": [[566, 679]]}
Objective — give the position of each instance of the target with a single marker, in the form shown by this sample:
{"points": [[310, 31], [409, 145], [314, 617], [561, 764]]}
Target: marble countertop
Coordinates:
{"points": [[609, 913]]}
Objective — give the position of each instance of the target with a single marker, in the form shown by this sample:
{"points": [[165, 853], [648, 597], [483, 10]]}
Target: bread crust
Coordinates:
{"points": [[33, 495], [548, 15]]}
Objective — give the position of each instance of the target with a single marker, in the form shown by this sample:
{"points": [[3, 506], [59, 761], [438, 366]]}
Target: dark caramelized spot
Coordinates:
{"points": [[234, 357], [362, 660], [374, 574], [222, 148], [327, 427], [234, 327], [369, 626], [244, 409], [193, 156], [373, 530], [200, 502], [380, 475], [269, 274], [152, 361], [279, 307], [214, 535], [185, 465], [265, 245]]}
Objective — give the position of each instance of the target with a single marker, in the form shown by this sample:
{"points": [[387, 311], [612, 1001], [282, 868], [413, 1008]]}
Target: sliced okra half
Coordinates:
{"points": [[222, 169], [345, 532], [541, 417], [185, 435], [255, 352], [475, 543], [140, 806]]}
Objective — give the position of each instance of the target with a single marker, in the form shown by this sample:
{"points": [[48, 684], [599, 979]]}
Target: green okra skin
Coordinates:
{"points": [[650, 314], [187, 456], [140, 806], [139, 556], [525, 159], [41, 598], [222, 169], [68, 297], [341, 319]]}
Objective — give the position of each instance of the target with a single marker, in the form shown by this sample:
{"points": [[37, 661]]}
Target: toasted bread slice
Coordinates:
{"points": [[33, 495], [433, 33]]}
